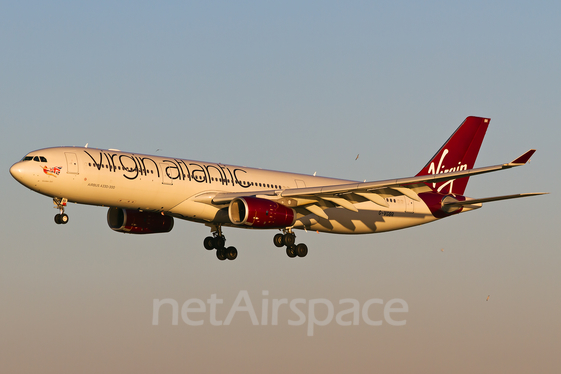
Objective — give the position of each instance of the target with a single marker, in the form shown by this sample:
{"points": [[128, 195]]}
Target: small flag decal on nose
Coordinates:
{"points": [[54, 171]]}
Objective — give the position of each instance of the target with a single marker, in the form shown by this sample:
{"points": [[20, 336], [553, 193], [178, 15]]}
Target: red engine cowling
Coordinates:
{"points": [[262, 213], [136, 222]]}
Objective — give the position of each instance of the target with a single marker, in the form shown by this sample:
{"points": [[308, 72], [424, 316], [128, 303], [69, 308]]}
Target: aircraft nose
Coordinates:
{"points": [[15, 170], [18, 172]]}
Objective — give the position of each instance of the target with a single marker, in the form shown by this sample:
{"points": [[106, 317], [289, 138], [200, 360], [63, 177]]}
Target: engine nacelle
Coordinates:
{"points": [[435, 202], [135, 222], [262, 213]]}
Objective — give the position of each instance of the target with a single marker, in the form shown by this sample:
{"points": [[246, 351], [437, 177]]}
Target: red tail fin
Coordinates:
{"points": [[458, 153]]}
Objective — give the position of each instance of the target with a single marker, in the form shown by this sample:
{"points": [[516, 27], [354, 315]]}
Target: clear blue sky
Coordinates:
{"points": [[302, 86]]}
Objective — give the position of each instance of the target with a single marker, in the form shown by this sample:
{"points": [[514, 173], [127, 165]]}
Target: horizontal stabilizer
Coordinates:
{"points": [[451, 201]]}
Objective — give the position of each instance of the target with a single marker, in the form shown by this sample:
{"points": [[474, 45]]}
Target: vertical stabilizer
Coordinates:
{"points": [[458, 153]]}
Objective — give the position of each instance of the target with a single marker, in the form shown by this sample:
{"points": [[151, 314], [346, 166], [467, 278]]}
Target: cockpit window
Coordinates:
{"points": [[35, 158]]}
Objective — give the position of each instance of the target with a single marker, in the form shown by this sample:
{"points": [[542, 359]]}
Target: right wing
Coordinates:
{"points": [[315, 199]]}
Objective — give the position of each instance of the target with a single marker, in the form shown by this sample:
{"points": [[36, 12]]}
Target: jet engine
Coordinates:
{"points": [[261, 213], [136, 222]]}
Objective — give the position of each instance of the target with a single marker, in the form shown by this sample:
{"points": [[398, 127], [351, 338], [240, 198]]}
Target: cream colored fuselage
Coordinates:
{"points": [[185, 188]]}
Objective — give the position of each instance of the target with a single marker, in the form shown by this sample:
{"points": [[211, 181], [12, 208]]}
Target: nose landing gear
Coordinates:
{"points": [[60, 218]]}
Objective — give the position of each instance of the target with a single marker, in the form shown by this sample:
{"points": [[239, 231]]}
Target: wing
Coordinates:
{"points": [[316, 199]]}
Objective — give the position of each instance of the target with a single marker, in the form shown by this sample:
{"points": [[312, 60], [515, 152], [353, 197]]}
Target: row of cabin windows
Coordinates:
{"points": [[35, 158], [119, 168], [268, 185], [43, 159]]}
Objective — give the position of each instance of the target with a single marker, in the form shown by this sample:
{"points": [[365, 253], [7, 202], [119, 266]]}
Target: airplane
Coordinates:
{"points": [[145, 193]]}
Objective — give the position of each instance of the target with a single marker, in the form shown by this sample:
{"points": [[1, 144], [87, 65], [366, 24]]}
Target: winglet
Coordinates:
{"points": [[523, 159]]}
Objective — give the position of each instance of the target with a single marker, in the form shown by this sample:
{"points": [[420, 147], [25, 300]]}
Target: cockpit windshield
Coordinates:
{"points": [[35, 158]]}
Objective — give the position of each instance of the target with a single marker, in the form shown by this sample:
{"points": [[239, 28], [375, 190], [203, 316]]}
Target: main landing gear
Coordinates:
{"points": [[217, 241], [60, 218], [288, 239]]}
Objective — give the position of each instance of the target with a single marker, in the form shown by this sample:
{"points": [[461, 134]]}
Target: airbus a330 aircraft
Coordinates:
{"points": [[145, 193]]}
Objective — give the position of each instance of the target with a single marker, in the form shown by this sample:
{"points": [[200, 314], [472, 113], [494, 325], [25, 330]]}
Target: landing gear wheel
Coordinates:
{"points": [[221, 254], [218, 242], [61, 219], [278, 240], [291, 251], [208, 243], [60, 203], [231, 253], [301, 250], [289, 239]]}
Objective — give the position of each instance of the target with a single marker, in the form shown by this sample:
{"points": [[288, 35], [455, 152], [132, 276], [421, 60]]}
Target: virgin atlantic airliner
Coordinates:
{"points": [[145, 193]]}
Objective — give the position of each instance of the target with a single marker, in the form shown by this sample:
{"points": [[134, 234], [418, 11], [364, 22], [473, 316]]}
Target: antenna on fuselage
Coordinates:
{"points": [[86, 146]]}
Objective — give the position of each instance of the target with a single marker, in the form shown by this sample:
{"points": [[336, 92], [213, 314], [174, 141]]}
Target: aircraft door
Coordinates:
{"points": [[71, 163], [166, 177], [409, 205]]}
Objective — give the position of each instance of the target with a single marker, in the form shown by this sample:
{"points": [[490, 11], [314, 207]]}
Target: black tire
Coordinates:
{"points": [[221, 254], [301, 250], [64, 218], [289, 239], [231, 253], [291, 251], [208, 243], [278, 240], [57, 219], [219, 242]]}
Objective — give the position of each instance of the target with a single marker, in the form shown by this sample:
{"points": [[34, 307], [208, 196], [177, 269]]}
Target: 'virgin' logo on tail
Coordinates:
{"points": [[441, 169]]}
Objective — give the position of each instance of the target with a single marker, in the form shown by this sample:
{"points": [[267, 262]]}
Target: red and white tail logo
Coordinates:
{"points": [[457, 154]]}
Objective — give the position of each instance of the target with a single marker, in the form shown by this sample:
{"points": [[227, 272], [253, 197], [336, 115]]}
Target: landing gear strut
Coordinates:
{"points": [[217, 241], [60, 218], [288, 239]]}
